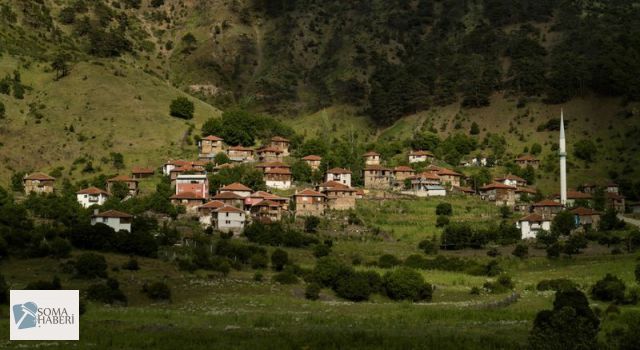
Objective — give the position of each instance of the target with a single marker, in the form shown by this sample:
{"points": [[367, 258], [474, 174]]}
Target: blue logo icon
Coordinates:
{"points": [[25, 315]]}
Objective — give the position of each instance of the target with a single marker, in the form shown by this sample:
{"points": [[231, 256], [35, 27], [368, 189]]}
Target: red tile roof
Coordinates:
{"points": [[582, 211], [186, 195], [464, 189], [240, 148], [496, 185], [309, 193], [113, 214], [227, 195], [421, 153], [447, 172], [526, 190], [375, 168], [312, 157], [279, 139], [38, 176], [273, 165], [510, 177], [229, 209], [92, 190], [338, 171], [533, 218], [403, 168], [236, 186], [426, 175], [139, 170], [527, 157], [269, 149], [122, 178], [333, 184], [547, 203], [371, 154], [574, 195], [267, 203], [213, 138], [212, 204], [282, 171]]}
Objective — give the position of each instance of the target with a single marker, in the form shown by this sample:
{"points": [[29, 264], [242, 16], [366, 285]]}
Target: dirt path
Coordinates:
{"points": [[634, 222]]}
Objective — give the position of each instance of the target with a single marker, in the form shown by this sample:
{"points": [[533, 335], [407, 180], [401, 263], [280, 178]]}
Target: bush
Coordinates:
{"points": [[493, 252], [404, 283], [521, 251], [444, 209], [312, 292], [45, 285], [501, 285], [637, 273], [279, 258], [311, 224], [157, 291], [108, 293], [553, 251], [131, 265], [258, 276], [259, 261], [320, 250], [386, 261], [90, 265], [610, 288], [442, 221], [429, 247], [60, 248], [182, 107], [286, 277], [474, 291], [556, 284], [353, 286], [328, 270]]}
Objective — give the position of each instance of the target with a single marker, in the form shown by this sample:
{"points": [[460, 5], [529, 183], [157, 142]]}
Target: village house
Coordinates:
{"points": [[172, 164], [421, 156], [588, 188], [209, 147], [142, 173], [186, 170], [478, 161], [501, 194], [259, 196], [425, 184], [574, 198], [340, 175], [401, 173], [339, 196], [266, 211], [272, 165], [586, 218], [309, 203], [230, 219], [217, 168], [193, 183], [132, 184], [117, 220], [462, 190], [634, 207], [371, 158], [240, 154], [526, 159], [532, 224], [615, 201], [511, 180], [191, 201], [449, 178], [206, 213], [237, 188], [525, 193], [279, 178], [91, 196], [547, 208], [313, 161], [230, 199], [269, 154], [377, 177], [612, 187], [282, 144], [38, 183]]}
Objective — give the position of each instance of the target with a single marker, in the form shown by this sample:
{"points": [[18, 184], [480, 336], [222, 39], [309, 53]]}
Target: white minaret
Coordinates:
{"points": [[563, 162]]}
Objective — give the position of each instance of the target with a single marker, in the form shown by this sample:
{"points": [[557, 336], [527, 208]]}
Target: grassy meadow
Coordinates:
{"points": [[236, 311]]}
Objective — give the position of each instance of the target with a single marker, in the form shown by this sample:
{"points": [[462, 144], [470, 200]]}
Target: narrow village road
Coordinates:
{"points": [[634, 222]]}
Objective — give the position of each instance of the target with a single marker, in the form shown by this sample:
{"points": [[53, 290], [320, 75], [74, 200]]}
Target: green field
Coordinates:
{"points": [[213, 311]]}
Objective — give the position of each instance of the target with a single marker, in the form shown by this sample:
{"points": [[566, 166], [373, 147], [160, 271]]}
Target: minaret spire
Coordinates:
{"points": [[563, 162]]}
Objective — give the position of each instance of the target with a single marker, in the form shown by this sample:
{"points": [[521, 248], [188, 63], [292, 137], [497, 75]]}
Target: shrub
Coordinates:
{"points": [[493, 252], [60, 248], [45, 285], [258, 276], [442, 221], [575, 244], [501, 285], [286, 277], [311, 224], [259, 261], [131, 265], [610, 288], [108, 293], [637, 273], [279, 258], [474, 291], [157, 291], [405, 283], [328, 270], [182, 107], [320, 250], [521, 251], [90, 265], [556, 284], [353, 286], [553, 251], [415, 261], [429, 247], [386, 261], [444, 209], [312, 292]]}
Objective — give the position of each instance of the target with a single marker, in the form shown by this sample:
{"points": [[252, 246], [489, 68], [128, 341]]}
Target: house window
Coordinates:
{"points": [[228, 222]]}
